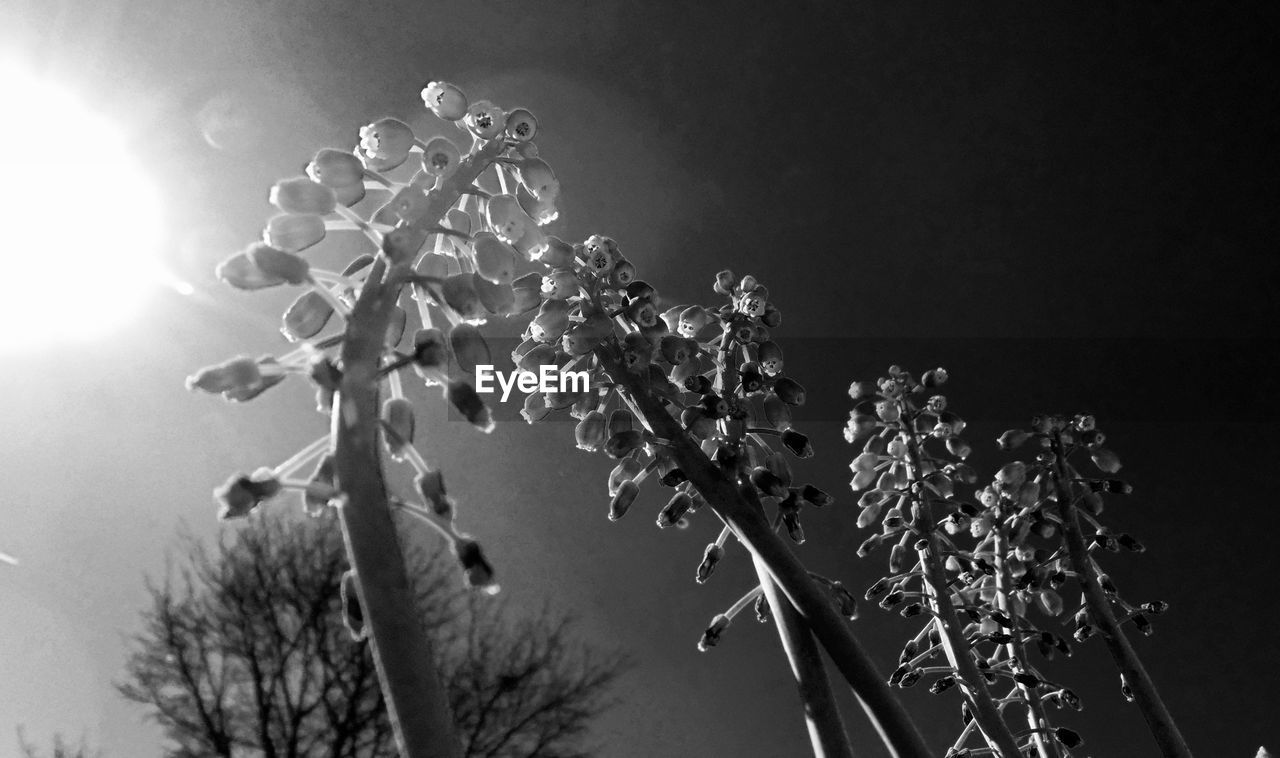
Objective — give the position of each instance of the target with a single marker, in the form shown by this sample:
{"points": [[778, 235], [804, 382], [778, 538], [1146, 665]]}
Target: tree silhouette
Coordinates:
{"points": [[243, 651]]}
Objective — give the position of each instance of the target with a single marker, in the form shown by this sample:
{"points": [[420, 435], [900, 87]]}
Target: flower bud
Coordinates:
{"points": [[235, 373], [777, 414], [535, 408], [440, 157], [498, 299], [495, 259], [958, 447], [385, 144], [293, 232], [242, 493], [341, 172], [674, 510], [240, 272], [590, 432], [430, 353], [478, 571], [778, 465], [460, 294], [623, 499], [769, 356], [1105, 460], [789, 391], [934, 377], [306, 316], [397, 426], [559, 284], [536, 177], [301, 195], [674, 349], [445, 100], [768, 483], [527, 291], [1012, 475], [469, 347], [430, 484], [711, 637], [620, 420], [623, 444], [710, 558], [1069, 738], [797, 443], [277, 264], [463, 397], [484, 119], [521, 125]]}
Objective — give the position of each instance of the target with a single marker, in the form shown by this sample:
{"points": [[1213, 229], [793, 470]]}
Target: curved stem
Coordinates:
{"points": [[417, 701], [890, 719], [1159, 721], [826, 729]]}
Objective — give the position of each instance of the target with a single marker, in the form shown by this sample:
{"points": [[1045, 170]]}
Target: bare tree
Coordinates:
{"points": [[244, 650], [61, 748]]}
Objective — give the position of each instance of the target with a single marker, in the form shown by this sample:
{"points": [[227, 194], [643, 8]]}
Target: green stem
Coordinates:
{"points": [[1159, 721]]}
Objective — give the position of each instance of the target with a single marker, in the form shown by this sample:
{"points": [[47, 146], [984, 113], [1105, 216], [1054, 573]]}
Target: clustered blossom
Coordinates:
{"points": [[986, 570], [714, 369], [460, 269]]}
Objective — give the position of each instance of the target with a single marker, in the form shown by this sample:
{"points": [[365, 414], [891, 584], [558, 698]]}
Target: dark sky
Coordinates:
{"points": [[1069, 208]]}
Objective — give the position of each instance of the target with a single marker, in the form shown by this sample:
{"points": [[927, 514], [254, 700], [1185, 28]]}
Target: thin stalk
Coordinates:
{"points": [[417, 701], [821, 715], [890, 719], [1159, 721], [954, 643], [1036, 719], [827, 733]]}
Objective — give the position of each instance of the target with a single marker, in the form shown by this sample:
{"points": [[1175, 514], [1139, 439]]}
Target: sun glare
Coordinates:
{"points": [[79, 219]]}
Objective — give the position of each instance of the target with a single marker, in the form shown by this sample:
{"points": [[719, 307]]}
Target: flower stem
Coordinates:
{"points": [[822, 716], [417, 700], [1036, 719], [725, 497], [1159, 721], [954, 643]]}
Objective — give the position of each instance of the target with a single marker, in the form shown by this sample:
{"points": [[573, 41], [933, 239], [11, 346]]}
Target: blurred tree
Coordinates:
{"points": [[243, 652], [61, 748]]}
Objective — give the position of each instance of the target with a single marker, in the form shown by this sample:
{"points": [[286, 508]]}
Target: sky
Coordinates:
{"points": [[1070, 208]]}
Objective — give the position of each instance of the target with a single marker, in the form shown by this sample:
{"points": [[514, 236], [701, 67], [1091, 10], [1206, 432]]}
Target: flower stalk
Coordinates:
{"points": [[417, 701], [1160, 722], [753, 530]]}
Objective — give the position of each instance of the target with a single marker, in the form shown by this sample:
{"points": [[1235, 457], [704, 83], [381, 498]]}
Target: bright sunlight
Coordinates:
{"points": [[81, 221]]}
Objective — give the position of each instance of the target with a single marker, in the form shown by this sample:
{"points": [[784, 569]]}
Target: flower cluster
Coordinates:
{"points": [[464, 237], [1070, 519], [451, 245], [985, 571], [715, 370], [961, 565]]}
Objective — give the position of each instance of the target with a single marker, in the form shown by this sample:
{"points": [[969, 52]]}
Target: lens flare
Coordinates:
{"points": [[79, 219]]}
